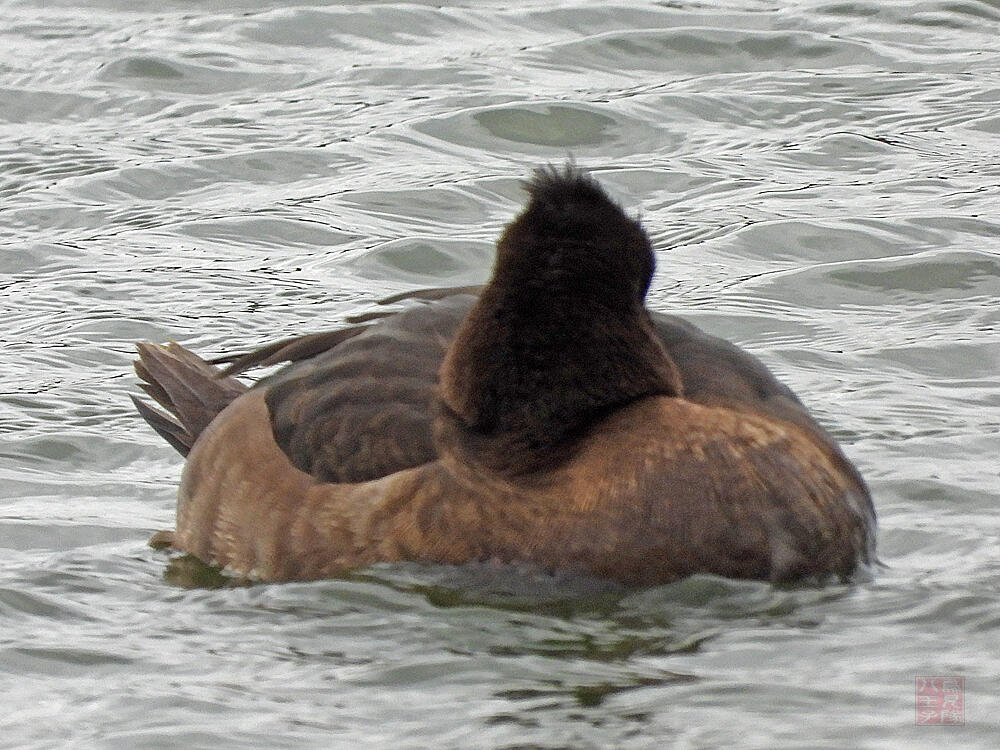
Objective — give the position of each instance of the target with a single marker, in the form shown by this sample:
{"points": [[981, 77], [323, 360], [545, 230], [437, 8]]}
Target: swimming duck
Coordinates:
{"points": [[547, 418]]}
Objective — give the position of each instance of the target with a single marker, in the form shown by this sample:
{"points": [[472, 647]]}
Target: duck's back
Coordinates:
{"points": [[363, 409]]}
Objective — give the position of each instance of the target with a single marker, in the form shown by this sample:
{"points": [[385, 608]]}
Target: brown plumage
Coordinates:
{"points": [[550, 419]]}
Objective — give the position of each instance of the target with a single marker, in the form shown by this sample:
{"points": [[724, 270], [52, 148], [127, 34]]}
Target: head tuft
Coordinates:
{"points": [[557, 189], [571, 235]]}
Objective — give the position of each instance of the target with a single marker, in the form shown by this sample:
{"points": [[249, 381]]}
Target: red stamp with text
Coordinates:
{"points": [[940, 700]]}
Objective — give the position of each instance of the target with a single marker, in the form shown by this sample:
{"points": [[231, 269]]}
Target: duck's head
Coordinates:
{"points": [[574, 242], [560, 336]]}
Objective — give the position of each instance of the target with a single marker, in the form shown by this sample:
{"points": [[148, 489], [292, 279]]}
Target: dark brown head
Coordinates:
{"points": [[560, 336]]}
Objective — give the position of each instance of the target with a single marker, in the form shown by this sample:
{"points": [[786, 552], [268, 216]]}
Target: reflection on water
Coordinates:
{"points": [[820, 181], [565, 127]]}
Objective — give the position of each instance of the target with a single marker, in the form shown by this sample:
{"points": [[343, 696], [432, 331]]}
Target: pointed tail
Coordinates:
{"points": [[191, 391]]}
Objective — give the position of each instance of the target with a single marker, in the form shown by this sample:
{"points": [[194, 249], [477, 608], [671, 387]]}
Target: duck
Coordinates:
{"points": [[547, 418]]}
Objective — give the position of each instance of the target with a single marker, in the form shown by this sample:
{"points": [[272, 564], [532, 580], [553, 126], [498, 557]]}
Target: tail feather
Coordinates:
{"points": [[190, 390], [287, 350], [309, 345], [166, 427]]}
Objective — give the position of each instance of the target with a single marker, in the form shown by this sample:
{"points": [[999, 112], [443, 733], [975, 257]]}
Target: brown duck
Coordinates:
{"points": [[547, 419]]}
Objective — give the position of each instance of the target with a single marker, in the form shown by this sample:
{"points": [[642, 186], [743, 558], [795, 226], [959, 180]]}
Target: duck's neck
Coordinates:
{"points": [[531, 369]]}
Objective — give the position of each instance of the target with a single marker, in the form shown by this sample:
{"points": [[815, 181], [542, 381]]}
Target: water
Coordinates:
{"points": [[820, 180]]}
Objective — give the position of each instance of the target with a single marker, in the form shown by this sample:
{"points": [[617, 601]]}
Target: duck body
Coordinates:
{"points": [[548, 419]]}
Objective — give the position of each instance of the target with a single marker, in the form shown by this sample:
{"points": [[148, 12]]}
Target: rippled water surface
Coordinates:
{"points": [[821, 182]]}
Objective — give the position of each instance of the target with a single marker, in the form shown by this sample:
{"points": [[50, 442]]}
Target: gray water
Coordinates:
{"points": [[820, 180]]}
